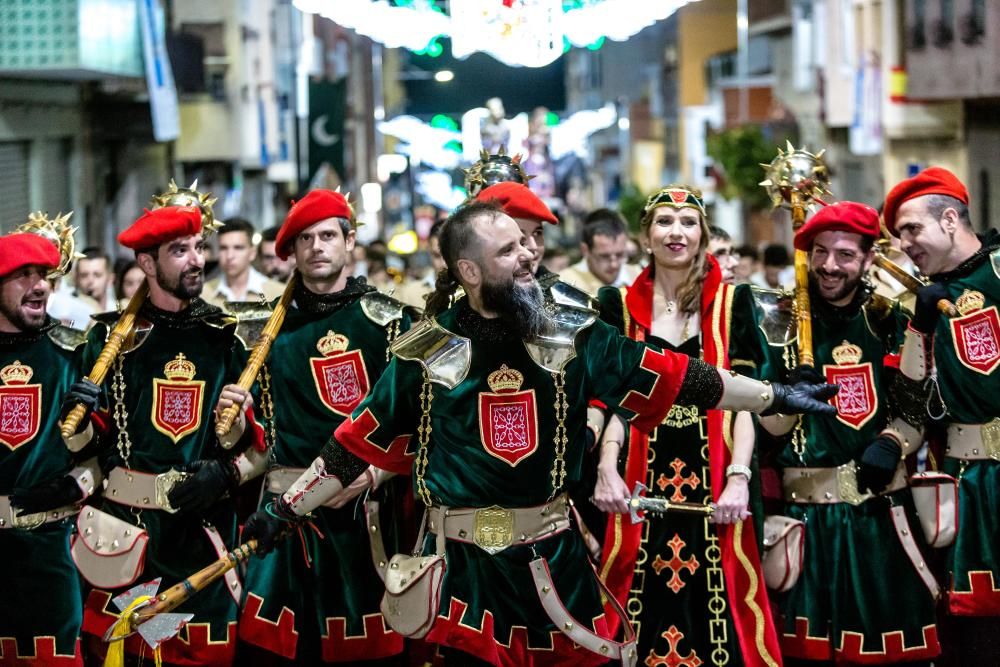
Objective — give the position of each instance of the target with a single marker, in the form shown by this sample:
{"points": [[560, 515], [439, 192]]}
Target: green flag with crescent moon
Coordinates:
{"points": [[327, 107]]}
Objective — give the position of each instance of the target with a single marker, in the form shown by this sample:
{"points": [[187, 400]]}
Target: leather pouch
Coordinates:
{"points": [[784, 550], [935, 496], [108, 552]]}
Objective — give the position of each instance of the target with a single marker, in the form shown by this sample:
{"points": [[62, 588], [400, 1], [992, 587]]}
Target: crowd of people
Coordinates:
{"points": [[631, 455]]}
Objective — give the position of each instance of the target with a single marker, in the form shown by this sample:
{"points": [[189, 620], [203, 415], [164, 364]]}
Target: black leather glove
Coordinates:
{"points": [[269, 525], [804, 397], [878, 464], [85, 393], [209, 481], [926, 314], [804, 374], [46, 496]]}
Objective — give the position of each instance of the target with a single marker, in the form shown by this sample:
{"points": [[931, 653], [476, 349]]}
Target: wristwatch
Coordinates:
{"points": [[737, 469]]}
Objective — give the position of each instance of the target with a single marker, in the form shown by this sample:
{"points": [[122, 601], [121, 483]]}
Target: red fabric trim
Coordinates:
{"points": [[197, 649], [891, 361], [449, 631], [669, 369], [895, 650], [44, 654], [257, 440], [982, 598], [801, 645], [738, 581], [378, 641], [277, 637], [101, 421], [354, 435], [595, 403]]}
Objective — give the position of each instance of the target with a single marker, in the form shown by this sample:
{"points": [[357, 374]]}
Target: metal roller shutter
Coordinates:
{"points": [[13, 184]]}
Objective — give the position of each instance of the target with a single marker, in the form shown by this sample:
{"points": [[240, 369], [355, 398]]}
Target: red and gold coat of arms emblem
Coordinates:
{"points": [[20, 405], [177, 400], [856, 402], [508, 418], [340, 376], [976, 334]]}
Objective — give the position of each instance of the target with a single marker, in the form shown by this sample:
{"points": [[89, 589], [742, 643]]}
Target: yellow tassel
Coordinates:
{"points": [[116, 648]]}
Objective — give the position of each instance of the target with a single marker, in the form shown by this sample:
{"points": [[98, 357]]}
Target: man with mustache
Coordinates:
{"points": [[865, 592], [484, 403], [959, 357], [39, 484], [161, 390]]}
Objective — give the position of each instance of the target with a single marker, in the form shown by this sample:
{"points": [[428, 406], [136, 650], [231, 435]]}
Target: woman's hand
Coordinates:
{"points": [[732, 504], [610, 493]]}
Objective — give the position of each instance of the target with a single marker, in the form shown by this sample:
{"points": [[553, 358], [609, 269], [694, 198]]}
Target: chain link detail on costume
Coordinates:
{"points": [[267, 409], [120, 413], [798, 432], [424, 437], [391, 333], [715, 578], [558, 473]]}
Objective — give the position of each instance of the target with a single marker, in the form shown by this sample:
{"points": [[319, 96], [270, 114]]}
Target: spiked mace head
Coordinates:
{"points": [[796, 170]]}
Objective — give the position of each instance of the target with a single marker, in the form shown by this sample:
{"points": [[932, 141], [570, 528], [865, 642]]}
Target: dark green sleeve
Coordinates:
{"points": [[747, 345], [609, 300]]}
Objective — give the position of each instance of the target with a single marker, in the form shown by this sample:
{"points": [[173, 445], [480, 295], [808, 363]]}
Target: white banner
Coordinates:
{"points": [[159, 77]]}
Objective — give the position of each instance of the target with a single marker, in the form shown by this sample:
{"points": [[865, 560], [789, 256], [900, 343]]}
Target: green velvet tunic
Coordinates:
{"points": [[321, 602], [858, 589], [966, 355], [166, 432], [495, 444], [44, 605]]}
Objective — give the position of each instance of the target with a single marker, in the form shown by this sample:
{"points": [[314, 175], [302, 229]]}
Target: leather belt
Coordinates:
{"points": [[495, 528], [142, 489], [9, 518], [974, 442], [280, 479], [828, 486]]}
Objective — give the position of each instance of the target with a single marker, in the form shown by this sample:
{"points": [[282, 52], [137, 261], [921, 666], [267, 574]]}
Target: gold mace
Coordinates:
{"points": [[904, 277], [261, 348], [795, 179]]}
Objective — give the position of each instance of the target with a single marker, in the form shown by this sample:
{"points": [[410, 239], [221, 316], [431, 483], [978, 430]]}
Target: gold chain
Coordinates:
{"points": [[798, 432], [561, 440], [424, 437], [717, 630], [267, 408], [120, 413], [391, 332]]}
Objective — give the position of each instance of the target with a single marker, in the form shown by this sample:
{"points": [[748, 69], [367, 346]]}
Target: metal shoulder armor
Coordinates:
{"points": [[444, 355], [557, 347], [995, 262], [381, 308], [565, 294], [776, 315], [67, 338], [251, 316]]}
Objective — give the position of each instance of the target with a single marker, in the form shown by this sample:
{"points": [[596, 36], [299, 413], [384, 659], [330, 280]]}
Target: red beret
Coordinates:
{"points": [[845, 216], [518, 201], [316, 206], [931, 181], [160, 226], [23, 249]]}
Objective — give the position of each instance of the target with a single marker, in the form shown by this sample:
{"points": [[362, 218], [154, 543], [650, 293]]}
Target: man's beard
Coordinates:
{"points": [[177, 287], [521, 307], [24, 322], [850, 284]]}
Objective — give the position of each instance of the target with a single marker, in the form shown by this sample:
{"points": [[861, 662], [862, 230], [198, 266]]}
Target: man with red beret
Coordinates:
{"points": [[864, 594], [162, 513], [961, 354], [316, 600], [39, 484]]}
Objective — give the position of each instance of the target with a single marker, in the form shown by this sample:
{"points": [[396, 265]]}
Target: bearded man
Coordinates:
{"points": [[484, 403], [865, 593], [161, 390]]}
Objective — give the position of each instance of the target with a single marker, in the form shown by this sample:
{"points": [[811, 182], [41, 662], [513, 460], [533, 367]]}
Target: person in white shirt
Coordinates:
{"points": [[238, 280], [604, 245]]}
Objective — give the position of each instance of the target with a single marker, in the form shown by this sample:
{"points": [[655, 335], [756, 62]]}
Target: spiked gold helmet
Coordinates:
{"points": [[59, 232], [190, 196], [799, 171], [492, 169]]}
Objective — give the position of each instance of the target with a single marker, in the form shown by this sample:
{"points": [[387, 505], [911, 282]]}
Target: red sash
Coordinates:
{"points": [[745, 588]]}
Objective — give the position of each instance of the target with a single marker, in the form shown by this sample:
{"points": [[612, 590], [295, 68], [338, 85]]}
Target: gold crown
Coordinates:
{"points": [[16, 373], [179, 369], [59, 232], [847, 353], [332, 343], [190, 196], [505, 379], [970, 302]]}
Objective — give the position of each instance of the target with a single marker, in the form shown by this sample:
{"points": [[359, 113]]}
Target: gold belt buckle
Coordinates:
{"points": [[493, 529], [847, 485], [990, 433], [164, 484], [26, 521]]}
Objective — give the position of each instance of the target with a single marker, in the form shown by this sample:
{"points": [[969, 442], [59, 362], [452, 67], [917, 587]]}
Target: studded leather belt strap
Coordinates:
{"points": [[974, 442], [142, 489], [9, 518], [827, 486], [493, 529]]}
